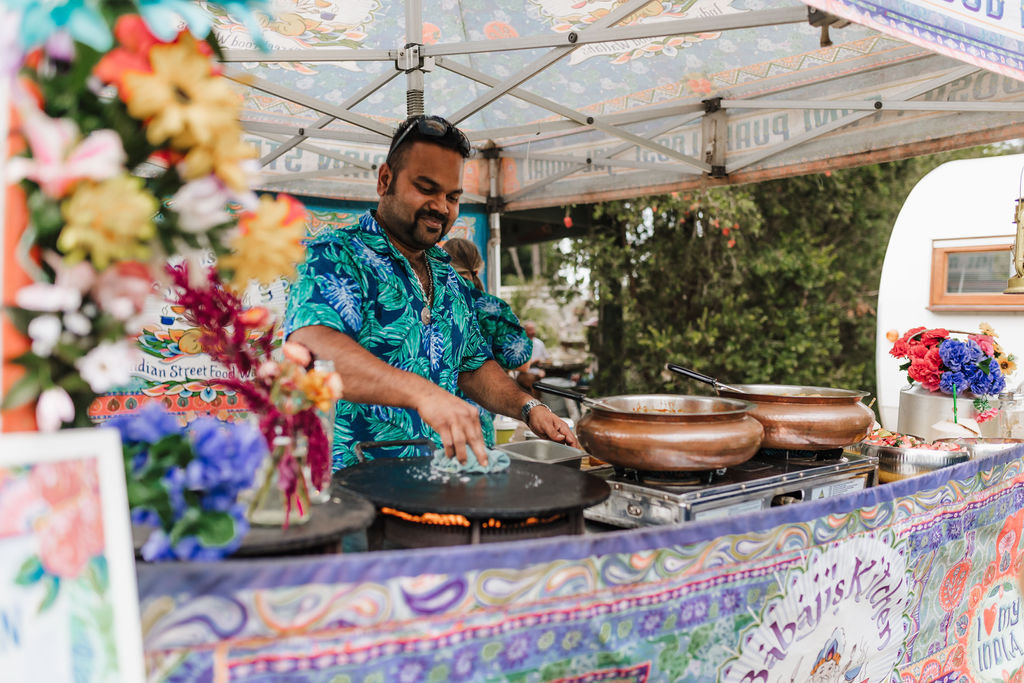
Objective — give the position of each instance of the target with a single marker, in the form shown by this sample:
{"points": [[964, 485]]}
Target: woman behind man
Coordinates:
{"points": [[508, 340]]}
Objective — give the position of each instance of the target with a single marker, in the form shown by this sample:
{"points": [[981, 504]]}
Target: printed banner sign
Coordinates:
{"points": [[68, 604], [917, 581]]}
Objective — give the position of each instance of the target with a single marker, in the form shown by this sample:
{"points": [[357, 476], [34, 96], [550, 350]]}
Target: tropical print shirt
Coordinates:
{"points": [[507, 339], [355, 281]]}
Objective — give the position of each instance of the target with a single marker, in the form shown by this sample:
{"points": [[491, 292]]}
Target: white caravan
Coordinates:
{"points": [[947, 263]]}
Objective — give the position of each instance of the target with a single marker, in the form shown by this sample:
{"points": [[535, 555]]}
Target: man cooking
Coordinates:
{"points": [[381, 301]]}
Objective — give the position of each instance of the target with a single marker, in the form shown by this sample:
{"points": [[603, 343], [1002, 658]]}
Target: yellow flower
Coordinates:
{"points": [[108, 221], [267, 244], [221, 157], [987, 329], [1007, 366], [182, 100], [321, 389]]}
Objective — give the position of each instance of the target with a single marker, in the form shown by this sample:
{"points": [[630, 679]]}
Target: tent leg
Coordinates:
{"points": [[414, 101], [494, 222]]}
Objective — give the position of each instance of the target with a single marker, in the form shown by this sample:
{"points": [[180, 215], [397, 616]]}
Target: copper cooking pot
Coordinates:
{"points": [[667, 431], [803, 418]]}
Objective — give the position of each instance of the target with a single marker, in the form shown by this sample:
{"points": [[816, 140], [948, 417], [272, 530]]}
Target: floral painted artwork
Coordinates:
{"points": [[62, 609]]}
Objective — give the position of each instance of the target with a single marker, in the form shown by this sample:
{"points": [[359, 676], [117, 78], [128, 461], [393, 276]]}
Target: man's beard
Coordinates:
{"points": [[406, 231]]}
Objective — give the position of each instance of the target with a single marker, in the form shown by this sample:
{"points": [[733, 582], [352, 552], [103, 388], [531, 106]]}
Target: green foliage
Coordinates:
{"points": [[775, 282]]}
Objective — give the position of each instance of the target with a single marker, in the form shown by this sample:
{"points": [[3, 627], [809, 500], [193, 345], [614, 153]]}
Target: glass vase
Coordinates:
{"points": [[268, 506]]}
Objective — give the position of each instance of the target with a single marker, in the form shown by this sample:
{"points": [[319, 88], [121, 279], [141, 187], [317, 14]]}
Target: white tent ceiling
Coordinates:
{"points": [[572, 102]]}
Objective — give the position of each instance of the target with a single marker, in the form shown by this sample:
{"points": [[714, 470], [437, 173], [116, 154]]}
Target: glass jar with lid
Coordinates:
{"points": [[1011, 415]]}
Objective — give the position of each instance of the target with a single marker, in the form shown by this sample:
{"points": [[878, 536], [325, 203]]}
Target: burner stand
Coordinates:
{"points": [[394, 528], [796, 457], [670, 477]]}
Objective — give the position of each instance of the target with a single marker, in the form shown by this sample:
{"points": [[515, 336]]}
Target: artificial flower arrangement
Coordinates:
{"points": [[185, 482], [976, 365], [290, 397], [127, 150], [83, 122]]}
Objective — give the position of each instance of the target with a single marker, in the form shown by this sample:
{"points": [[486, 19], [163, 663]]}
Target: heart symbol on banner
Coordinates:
{"points": [[990, 619]]}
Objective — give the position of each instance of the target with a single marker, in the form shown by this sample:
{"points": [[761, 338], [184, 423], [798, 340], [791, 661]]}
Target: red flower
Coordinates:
{"points": [[901, 349], [927, 374], [731, 243], [725, 231], [934, 337]]}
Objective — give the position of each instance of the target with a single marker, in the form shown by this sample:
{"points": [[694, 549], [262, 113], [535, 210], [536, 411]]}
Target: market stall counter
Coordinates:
{"points": [[927, 568]]}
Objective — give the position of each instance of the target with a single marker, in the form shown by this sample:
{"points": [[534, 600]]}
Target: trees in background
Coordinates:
{"points": [[775, 282]]}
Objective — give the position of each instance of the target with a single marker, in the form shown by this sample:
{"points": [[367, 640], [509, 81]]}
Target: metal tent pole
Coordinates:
{"points": [[494, 222], [414, 103]]}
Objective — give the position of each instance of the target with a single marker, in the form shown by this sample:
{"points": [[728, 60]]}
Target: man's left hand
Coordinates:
{"points": [[547, 425]]}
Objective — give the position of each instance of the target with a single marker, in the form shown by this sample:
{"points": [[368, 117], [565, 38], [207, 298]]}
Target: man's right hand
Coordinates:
{"points": [[456, 421]]}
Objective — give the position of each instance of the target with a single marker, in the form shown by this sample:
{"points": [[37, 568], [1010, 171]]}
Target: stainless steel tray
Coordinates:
{"points": [[981, 447], [900, 463], [540, 450]]}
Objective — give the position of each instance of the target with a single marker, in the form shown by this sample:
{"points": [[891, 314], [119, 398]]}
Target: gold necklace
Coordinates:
{"points": [[428, 293]]}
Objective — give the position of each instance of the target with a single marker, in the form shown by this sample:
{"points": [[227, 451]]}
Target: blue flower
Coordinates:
{"points": [[949, 379], [957, 354], [146, 425], [145, 517], [157, 547], [979, 382], [174, 481]]}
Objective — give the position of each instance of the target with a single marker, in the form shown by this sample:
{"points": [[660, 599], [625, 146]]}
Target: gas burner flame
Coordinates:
{"points": [[437, 519]]}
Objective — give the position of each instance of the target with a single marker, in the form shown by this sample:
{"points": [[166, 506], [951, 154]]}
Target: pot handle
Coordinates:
{"points": [[692, 374], [540, 385]]}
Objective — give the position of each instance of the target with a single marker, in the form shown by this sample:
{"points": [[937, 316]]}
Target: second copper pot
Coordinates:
{"points": [[806, 418]]}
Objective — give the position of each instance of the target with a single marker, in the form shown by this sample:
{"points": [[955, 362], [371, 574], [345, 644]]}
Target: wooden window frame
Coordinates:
{"points": [[941, 300]]}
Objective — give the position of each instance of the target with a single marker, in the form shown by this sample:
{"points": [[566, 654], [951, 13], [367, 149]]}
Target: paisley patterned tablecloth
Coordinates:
{"points": [[913, 581]]}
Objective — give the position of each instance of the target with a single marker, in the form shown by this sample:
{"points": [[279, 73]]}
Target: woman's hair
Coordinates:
{"points": [[466, 259]]}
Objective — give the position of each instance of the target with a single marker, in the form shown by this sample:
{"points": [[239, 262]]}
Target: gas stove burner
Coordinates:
{"points": [[825, 457], [670, 477]]}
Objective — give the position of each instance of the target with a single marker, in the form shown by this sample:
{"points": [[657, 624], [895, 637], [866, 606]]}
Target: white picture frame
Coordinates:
{"points": [[54, 478]]}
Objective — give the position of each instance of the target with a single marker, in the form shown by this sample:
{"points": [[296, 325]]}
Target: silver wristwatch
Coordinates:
{"points": [[527, 407]]}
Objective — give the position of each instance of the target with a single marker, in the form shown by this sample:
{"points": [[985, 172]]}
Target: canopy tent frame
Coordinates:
{"points": [[632, 140]]}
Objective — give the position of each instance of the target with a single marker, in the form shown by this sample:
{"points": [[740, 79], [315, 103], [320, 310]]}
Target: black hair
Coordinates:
{"points": [[409, 132]]}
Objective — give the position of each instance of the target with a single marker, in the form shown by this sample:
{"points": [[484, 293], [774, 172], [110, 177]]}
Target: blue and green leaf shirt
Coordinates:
{"points": [[509, 344], [356, 282]]}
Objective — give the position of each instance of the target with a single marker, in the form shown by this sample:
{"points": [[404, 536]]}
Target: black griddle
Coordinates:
{"points": [[525, 489]]}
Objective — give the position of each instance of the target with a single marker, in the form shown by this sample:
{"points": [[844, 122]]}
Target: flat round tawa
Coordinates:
{"points": [[525, 489]]}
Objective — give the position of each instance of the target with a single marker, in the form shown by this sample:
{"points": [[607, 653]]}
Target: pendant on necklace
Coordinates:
{"points": [[425, 316]]}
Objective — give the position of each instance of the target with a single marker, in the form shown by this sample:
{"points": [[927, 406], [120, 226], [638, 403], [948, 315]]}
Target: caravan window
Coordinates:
{"points": [[971, 274]]}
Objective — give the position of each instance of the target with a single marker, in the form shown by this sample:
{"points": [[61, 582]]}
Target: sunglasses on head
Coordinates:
{"points": [[431, 127]]}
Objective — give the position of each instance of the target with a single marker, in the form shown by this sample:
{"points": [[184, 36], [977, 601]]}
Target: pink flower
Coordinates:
{"points": [[296, 353], [53, 409], [59, 159], [58, 482], [985, 342], [122, 289], [986, 415], [202, 204], [71, 535], [268, 370], [334, 385]]}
